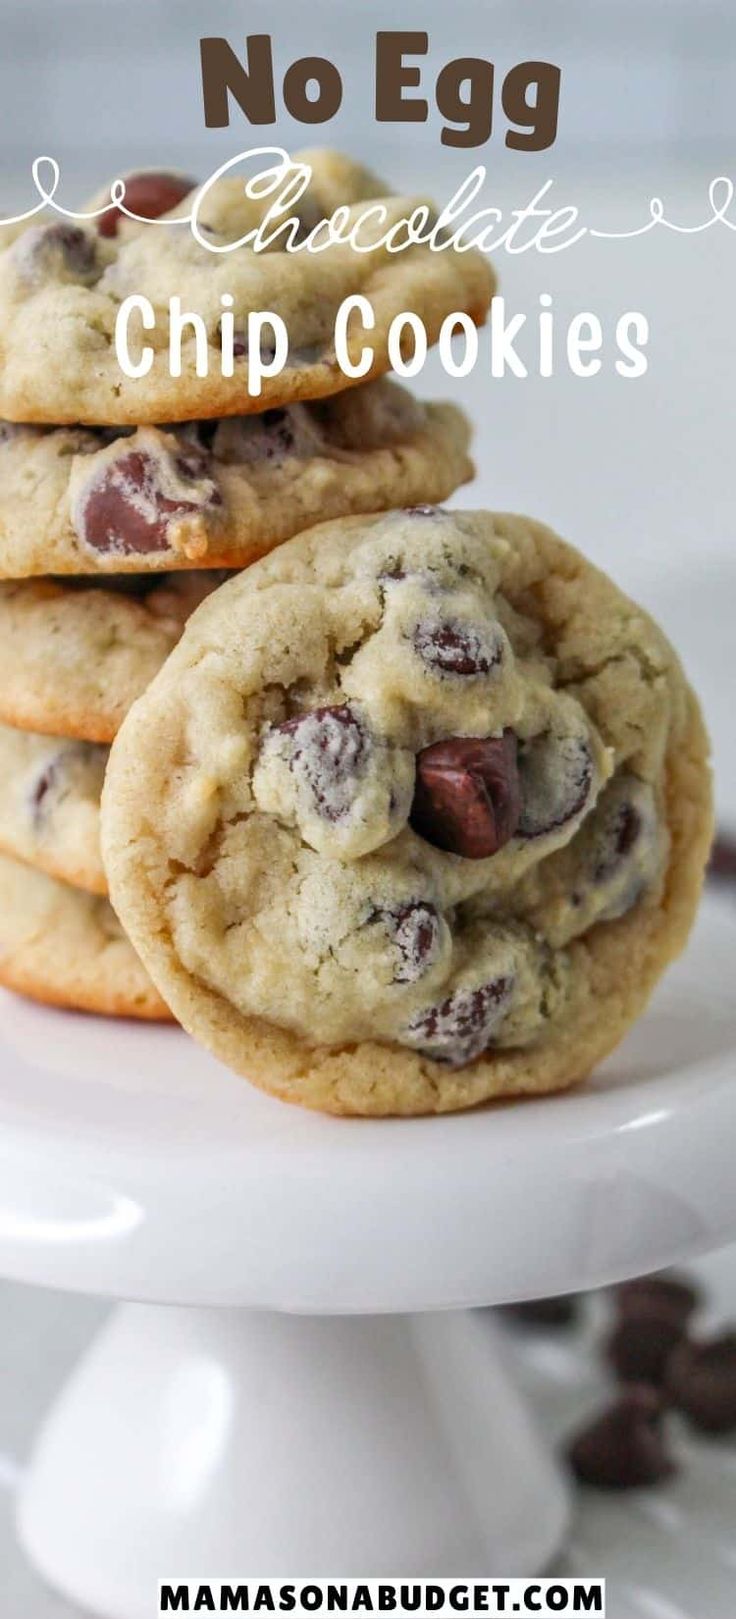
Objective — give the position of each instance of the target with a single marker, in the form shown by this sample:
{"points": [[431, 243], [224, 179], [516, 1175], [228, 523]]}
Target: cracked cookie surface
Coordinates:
{"points": [[217, 494], [66, 948], [62, 284], [415, 815]]}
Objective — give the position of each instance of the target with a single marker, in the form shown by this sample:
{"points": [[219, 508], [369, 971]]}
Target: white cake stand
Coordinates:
{"points": [[292, 1412]]}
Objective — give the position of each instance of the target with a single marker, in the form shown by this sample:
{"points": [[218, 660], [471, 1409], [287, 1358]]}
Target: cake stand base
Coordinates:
{"points": [[214, 1444]]}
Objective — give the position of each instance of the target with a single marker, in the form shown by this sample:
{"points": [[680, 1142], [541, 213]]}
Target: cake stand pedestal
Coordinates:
{"points": [[303, 1387]]}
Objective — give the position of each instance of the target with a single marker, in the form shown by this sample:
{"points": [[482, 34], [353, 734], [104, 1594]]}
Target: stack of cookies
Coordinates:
{"points": [[114, 527]]}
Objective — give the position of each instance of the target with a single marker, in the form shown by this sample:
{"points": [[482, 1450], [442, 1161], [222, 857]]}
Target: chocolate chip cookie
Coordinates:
{"points": [[66, 948], [50, 805], [414, 816], [74, 654], [206, 494], [62, 284]]}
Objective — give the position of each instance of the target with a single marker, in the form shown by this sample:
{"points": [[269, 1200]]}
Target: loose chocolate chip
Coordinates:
{"points": [[665, 1292], [641, 1345], [556, 776], [624, 1448], [701, 1382], [62, 251], [148, 196], [415, 932], [451, 648], [466, 798], [329, 749], [124, 508], [562, 1311], [462, 1026]]}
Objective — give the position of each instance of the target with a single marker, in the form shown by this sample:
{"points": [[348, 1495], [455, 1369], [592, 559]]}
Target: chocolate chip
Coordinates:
{"points": [[640, 1346], [452, 648], [55, 778], [129, 503], [662, 1293], [61, 251], [299, 356], [466, 798], [329, 750], [701, 1382], [562, 1311], [148, 196], [136, 585], [415, 933], [273, 435], [462, 1026], [625, 1447], [622, 833], [424, 511], [556, 777]]}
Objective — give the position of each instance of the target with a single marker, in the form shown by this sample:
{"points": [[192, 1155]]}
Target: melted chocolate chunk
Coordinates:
{"points": [[701, 1382], [148, 196], [61, 251], [466, 798], [624, 1448], [664, 1293], [462, 1026], [124, 509], [556, 777], [415, 932], [329, 750], [457, 649], [641, 1345]]}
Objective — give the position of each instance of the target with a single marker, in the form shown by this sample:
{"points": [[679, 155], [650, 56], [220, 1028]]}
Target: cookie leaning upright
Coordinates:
{"points": [[62, 285], [414, 816]]}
